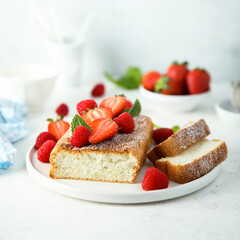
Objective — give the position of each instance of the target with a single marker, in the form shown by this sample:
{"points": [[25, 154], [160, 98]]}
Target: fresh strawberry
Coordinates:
{"points": [[58, 128], [178, 72], [80, 136], [98, 90], [102, 129], [116, 103], [128, 104], [154, 179], [167, 86], [43, 137], [100, 112], [198, 81], [45, 150], [149, 80], [62, 110], [162, 134], [85, 105], [125, 122]]}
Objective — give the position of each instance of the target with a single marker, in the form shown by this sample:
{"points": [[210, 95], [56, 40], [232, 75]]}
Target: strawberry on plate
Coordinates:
{"points": [[167, 86], [58, 128], [116, 103], [178, 72], [198, 81], [100, 112], [102, 129], [149, 80]]}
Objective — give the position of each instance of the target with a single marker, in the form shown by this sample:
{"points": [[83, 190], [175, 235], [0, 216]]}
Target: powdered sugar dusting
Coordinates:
{"points": [[190, 134], [121, 142]]}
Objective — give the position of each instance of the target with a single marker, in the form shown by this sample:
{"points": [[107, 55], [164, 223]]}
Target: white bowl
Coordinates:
{"points": [[31, 82], [174, 103], [228, 113]]}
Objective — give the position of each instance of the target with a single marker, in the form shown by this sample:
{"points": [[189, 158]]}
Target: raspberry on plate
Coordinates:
{"points": [[154, 179], [80, 136], [85, 105], [43, 137], [125, 122], [162, 134], [45, 150], [98, 90], [102, 129], [128, 104], [62, 110]]}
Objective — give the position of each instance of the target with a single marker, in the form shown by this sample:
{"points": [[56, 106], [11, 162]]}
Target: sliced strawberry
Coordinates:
{"points": [[100, 112], [116, 103], [102, 129], [58, 128]]}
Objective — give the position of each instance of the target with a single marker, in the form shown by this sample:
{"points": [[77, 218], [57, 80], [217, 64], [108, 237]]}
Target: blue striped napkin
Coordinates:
{"points": [[13, 127]]}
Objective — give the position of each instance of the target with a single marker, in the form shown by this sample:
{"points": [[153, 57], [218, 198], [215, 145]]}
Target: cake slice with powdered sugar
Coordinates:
{"points": [[194, 162], [179, 141]]}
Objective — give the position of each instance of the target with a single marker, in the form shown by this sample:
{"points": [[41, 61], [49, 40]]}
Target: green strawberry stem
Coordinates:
{"points": [[49, 119]]}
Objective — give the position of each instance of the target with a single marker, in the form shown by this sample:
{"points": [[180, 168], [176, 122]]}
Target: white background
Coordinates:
{"points": [[149, 34]]}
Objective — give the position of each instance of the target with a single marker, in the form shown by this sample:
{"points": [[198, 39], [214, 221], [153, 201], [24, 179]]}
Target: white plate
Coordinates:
{"points": [[111, 192]]}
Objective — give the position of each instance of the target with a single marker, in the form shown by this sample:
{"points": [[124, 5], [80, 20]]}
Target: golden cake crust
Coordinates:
{"points": [[195, 169], [136, 143]]}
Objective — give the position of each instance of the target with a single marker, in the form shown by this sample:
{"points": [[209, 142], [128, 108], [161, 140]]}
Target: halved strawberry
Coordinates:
{"points": [[58, 128], [102, 129], [100, 112], [116, 103]]}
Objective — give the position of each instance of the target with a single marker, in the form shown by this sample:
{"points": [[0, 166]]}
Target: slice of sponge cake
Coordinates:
{"points": [[116, 160], [194, 162], [181, 140]]}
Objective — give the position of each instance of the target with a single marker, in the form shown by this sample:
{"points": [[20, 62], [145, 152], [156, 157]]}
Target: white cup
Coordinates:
{"points": [[67, 58], [33, 83]]}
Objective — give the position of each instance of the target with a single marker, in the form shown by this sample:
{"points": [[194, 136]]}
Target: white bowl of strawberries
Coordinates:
{"points": [[179, 90]]}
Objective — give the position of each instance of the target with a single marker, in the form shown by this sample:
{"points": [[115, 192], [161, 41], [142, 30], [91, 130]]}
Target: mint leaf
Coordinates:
{"points": [[130, 80], [175, 128], [135, 109], [78, 121]]}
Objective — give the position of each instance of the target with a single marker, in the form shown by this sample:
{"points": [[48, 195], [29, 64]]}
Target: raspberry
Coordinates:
{"points": [[125, 122], [98, 90], [83, 106], [80, 136], [154, 179], [162, 134], [45, 150], [62, 110], [43, 137], [128, 104]]}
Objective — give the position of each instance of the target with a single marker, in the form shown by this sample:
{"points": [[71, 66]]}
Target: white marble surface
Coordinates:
{"points": [[29, 211]]}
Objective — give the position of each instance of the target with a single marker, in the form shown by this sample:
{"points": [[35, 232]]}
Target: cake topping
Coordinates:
{"points": [[85, 105]]}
